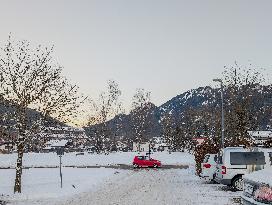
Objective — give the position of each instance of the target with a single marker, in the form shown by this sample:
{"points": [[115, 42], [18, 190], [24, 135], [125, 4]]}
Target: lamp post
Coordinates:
{"points": [[222, 112], [60, 152]]}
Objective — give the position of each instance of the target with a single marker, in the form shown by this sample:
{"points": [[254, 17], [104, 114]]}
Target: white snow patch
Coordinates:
{"points": [[71, 159], [44, 184], [262, 176], [165, 187]]}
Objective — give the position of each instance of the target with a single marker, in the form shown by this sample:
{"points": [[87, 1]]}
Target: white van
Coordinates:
{"points": [[234, 162], [208, 167]]}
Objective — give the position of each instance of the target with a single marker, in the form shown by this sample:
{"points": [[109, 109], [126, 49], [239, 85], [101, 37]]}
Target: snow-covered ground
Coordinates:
{"points": [[164, 187], [262, 176], [71, 159], [106, 186], [43, 185]]}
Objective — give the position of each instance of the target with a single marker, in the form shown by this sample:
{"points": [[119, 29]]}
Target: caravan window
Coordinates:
{"points": [[270, 157], [247, 158]]}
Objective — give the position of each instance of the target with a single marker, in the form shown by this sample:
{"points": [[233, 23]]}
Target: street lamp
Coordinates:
{"points": [[222, 112]]}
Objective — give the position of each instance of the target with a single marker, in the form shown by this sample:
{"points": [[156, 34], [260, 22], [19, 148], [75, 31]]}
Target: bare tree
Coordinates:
{"points": [[168, 129], [140, 98], [142, 109], [244, 96], [30, 79], [118, 126], [241, 111], [107, 107]]}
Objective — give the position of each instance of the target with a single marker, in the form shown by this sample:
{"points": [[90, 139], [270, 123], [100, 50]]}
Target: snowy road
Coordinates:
{"points": [[150, 186]]}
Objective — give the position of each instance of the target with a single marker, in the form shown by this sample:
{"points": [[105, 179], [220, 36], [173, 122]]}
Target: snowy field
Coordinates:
{"points": [[71, 159], [43, 185], [104, 186]]}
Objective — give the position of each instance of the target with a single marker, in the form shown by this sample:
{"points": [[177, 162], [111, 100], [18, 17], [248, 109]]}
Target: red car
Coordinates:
{"points": [[144, 161]]}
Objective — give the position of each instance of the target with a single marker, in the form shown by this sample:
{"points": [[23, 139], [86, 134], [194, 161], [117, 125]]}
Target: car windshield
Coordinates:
{"points": [[215, 158], [206, 159]]}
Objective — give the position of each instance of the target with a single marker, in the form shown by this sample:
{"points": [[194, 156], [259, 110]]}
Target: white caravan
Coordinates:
{"points": [[234, 162]]}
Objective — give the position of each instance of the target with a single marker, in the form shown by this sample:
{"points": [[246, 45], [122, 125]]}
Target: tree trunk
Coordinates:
{"points": [[20, 149], [19, 167]]}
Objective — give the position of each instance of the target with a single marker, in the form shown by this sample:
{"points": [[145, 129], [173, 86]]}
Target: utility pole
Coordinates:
{"points": [[222, 111], [149, 150], [60, 172], [60, 153]]}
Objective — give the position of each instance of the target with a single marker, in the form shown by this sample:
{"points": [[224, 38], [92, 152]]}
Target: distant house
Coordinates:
{"points": [[161, 147], [260, 137], [76, 137], [140, 147], [121, 146], [199, 140], [52, 145], [7, 147], [64, 133]]}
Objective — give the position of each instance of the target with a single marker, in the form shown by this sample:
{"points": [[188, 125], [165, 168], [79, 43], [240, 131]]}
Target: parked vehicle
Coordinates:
{"points": [[145, 161], [258, 188], [208, 167], [234, 162]]}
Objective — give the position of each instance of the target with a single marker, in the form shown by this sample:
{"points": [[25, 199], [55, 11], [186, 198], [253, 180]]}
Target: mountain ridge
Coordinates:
{"points": [[192, 99]]}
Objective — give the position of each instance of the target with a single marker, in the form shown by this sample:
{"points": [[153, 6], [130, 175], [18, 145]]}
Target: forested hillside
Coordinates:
{"points": [[198, 111]]}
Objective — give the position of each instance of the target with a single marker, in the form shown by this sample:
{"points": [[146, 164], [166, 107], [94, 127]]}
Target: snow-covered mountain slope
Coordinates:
{"points": [[195, 99]]}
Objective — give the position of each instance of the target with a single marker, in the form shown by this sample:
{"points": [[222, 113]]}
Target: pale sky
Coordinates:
{"points": [[166, 47]]}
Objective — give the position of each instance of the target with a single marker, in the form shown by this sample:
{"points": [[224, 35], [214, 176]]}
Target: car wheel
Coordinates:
{"points": [[237, 183], [135, 166], [213, 177]]}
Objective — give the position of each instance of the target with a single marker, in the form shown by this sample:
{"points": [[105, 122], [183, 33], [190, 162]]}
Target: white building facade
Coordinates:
{"points": [[140, 147], [260, 137]]}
